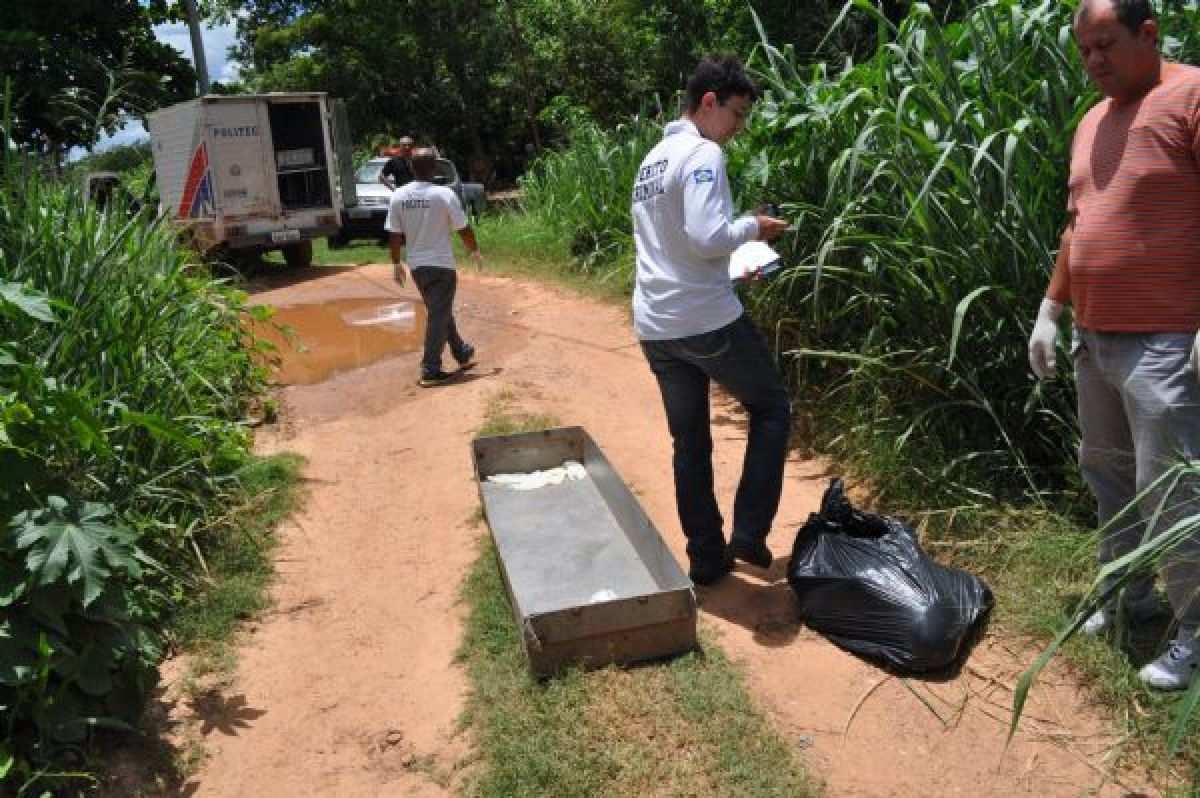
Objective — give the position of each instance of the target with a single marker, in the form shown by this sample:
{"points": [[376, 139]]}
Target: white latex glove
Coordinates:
{"points": [[1044, 340]]}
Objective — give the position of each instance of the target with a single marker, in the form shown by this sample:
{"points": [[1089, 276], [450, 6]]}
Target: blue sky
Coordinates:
{"points": [[217, 41]]}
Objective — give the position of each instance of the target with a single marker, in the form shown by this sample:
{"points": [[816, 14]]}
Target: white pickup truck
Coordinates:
{"points": [[365, 217], [248, 173]]}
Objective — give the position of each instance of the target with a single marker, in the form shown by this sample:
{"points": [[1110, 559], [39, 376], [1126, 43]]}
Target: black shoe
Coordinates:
{"points": [[754, 552], [436, 378], [468, 358], [708, 572]]}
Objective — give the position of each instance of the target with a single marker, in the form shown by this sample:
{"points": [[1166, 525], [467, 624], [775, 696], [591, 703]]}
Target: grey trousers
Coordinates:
{"points": [[437, 287], [1139, 414]]}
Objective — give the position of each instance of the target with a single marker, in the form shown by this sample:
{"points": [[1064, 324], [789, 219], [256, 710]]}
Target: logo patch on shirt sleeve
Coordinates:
{"points": [[703, 176]]}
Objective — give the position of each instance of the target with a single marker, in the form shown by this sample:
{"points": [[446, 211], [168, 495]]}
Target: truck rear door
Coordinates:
{"points": [[236, 132], [345, 153]]}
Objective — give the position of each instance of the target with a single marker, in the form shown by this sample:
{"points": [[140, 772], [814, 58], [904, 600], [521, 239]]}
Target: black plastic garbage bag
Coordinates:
{"points": [[864, 582]]}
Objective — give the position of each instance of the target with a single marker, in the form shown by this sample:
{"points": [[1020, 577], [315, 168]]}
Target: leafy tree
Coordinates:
{"points": [[62, 55], [487, 79]]}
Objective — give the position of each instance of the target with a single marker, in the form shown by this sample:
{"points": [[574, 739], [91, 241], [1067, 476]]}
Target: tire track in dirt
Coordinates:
{"points": [[349, 687]]}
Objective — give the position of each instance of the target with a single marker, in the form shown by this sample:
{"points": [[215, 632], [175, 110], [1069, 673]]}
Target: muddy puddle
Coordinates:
{"points": [[332, 337]]}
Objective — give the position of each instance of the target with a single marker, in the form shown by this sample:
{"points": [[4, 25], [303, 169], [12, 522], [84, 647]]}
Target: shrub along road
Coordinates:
{"points": [[350, 686]]}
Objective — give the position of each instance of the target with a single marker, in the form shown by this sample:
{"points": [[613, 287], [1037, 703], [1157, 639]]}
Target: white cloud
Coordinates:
{"points": [[131, 133], [217, 41]]}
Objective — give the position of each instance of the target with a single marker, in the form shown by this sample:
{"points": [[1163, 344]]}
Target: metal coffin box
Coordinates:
{"points": [[589, 578]]}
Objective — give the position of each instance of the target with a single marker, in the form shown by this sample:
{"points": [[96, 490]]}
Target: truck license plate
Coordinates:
{"points": [[281, 236]]}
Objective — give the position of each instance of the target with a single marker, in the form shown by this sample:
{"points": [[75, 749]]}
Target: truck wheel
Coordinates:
{"points": [[339, 240], [234, 262], [298, 256]]}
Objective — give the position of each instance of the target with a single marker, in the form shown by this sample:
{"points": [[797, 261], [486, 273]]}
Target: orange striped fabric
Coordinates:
{"points": [[1135, 194]]}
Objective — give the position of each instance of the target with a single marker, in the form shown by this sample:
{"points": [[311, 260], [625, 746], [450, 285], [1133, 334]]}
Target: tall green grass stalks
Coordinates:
{"points": [[125, 372], [582, 193], [929, 187]]}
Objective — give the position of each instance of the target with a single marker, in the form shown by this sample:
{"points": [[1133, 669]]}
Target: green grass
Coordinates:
{"points": [[677, 728], [240, 569], [503, 417], [517, 244], [513, 244], [582, 192], [126, 378], [683, 727], [357, 254], [1039, 564], [240, 566]]}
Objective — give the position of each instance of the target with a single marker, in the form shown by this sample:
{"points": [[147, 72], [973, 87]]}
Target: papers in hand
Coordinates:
{"points": [[753, 258]]}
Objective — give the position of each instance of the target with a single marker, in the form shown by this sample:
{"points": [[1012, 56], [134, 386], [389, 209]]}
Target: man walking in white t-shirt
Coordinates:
{"points": [[691, 325], [420, 217]]}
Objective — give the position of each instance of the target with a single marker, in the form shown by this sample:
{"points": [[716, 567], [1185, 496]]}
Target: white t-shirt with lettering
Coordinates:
{"points": [[426, 214], [685, 229]]}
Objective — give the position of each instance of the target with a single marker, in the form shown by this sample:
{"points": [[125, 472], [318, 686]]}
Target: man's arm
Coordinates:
{"points": [[1043, 341], [458, 221], [468, 238], [709, 230], [396, 245], [394, 225], [1059, 289], [385, 176]]}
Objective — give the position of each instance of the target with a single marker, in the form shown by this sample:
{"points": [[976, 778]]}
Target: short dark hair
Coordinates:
{"points": [[1130, 13], [724, 76], [424, 163]]}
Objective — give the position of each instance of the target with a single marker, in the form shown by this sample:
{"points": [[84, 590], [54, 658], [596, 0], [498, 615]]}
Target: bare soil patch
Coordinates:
{"points": [[349, 686]]}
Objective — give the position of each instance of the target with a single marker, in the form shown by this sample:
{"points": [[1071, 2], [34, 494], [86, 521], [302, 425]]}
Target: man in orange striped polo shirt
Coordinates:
{"points": [[1129, 264]]}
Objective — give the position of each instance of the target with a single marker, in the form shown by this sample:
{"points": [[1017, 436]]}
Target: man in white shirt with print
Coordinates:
{"points": [[691, 325], [421, 216]]}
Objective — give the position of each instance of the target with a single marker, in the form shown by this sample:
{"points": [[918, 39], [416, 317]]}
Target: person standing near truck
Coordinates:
{"points": [[692, 328], [398, 171], [420, 217]]}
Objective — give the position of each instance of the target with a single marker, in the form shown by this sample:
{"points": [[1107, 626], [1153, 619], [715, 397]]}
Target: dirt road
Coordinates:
{"points": [[348, 687]]}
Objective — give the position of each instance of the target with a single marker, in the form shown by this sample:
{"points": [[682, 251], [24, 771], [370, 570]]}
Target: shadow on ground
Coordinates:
{"points": [[269, 277]]}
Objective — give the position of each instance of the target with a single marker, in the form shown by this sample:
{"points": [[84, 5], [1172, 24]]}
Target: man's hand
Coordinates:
{"points": [[398, 272], [477, 256], [1044, 340], [769, 228]]}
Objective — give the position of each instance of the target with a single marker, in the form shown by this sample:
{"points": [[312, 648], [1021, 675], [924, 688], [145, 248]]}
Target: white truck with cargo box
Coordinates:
{"points": [[248, 173]]}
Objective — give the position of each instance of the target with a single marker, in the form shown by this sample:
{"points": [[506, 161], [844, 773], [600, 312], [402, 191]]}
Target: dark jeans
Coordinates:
{"points": [[437, 287], [737, 358]]}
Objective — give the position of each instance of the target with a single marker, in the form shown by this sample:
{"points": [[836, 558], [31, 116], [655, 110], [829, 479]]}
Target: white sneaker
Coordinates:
{"points": [[1175, 668], [1100, 621], [1138, 611]]}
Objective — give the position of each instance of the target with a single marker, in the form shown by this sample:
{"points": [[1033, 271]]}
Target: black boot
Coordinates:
{"points": [[754, 552], [711, 571]]}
